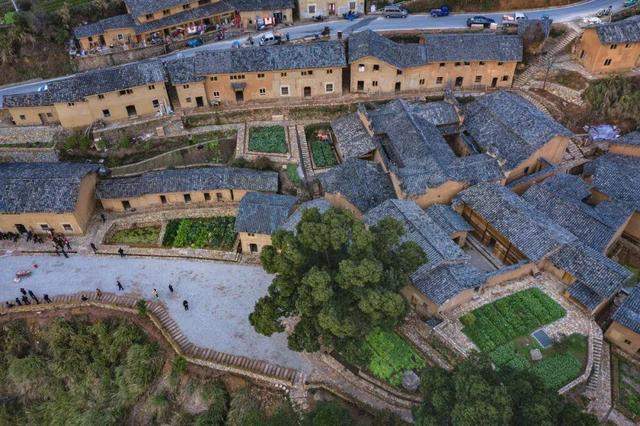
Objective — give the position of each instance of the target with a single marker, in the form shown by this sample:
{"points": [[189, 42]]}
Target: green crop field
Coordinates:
{"points": [[268, 139]]}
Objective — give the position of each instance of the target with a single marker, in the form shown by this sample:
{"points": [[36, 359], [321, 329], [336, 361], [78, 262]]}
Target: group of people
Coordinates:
{"points": [[15, 236], [185, 303], [27, 297]]}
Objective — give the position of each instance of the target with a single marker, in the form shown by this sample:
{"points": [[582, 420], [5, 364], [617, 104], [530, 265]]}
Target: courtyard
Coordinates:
{"points": [[220, 296]]}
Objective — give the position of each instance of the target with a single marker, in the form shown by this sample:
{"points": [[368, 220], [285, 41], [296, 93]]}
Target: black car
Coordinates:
{"points": [[480, 20]]}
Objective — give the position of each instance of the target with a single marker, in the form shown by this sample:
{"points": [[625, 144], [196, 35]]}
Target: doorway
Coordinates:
{"points": [[398, 86], [494, 81], [332, 8], [277, 17], [131, 111], [360, 87], [43, 118], [239, 96], [199, 101], [459, 81], [21, 228], [307, 91]]}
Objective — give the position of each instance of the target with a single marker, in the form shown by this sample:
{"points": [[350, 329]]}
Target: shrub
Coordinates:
{"points": [[244, 410], [614, 98], [141, 305], [329, 414], [124, 143], [178, 366], [218, 398], [268, 139]]}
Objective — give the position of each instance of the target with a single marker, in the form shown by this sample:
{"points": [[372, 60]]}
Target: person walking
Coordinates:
{"points": [[98, 293], [67, 244], [170, 288], [9, 305], [23, 291], [46, 298], [18, 302], [185, 304], [84, 298], [155, 293], [103, 217], [25, 300], [94, 248], [121, 252], [55, 247], [65, 253], [120, 285], [33, 296]]}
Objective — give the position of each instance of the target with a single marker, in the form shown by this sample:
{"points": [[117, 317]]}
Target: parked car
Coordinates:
{"points": [[480, 20], [441, 11], [194, 42], [351, 15], [393, 11], [604, 12], [513, 19], [629, 3]]}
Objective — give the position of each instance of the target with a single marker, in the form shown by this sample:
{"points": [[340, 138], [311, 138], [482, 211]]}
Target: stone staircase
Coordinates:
{"points": [[546, 59], [305, 156], [594, 379], [413, 330]]}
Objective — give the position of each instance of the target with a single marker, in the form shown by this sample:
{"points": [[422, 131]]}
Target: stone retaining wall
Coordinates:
{"points": [[29, 155], [90, 62]]}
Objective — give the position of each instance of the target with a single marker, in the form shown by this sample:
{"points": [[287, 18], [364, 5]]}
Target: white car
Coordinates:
{"points": [[592, 20]]}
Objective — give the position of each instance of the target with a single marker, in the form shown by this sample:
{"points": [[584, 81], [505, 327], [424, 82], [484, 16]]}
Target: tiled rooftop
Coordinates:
{"points": [[263, 213], [624, 31], [628, 314]]}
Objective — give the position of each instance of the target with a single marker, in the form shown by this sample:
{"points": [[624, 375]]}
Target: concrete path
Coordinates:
{"points": [[220, 296]]}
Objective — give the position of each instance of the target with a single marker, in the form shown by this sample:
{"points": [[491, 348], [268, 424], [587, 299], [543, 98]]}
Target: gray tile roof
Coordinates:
{"points": [[142, 7], [447, 270], [473, 47], [506, 125], [364, 184], [292, 222], [323, 54], [437, 48], [598, 278], [188, 179], [632, 139], [628, 314], [188, 15], [352, 138], [263, 213], [624, 31], [530, 231], [41, 187], [618, 176], [447, 218], [96, 28], [78, 86], [418, 153], [258, 5], [561, 199]]}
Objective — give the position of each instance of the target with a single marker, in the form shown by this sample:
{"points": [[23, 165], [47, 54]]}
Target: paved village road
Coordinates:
{"points": [[220, 295], [378, 23]]}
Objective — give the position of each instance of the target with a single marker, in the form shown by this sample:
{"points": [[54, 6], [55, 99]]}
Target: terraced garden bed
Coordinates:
{"points": [[144, 236], [271, 139], [502, 329], [320, 141], [215, 233], [626, 387]]}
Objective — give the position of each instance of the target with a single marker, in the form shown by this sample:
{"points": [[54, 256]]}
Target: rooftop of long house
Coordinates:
{"points": [[188, 179], [508, 126], [436, 48], [538, 237], [205, 11], [563, 198], [447, 270], [450, 221], [624, 31], [323, 54], [628, 314], [78, 86], [364, 184], [263, 213], [617, 176], [41, 187]]}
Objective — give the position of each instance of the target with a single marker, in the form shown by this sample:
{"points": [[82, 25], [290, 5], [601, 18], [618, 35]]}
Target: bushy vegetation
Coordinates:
{"points": [[74, 372], [211, 233], [321, 150], [77, 141], [144, 236], [519, 314], [260, 163], [340, 278], [614, 98], [270, 139], [626, 378], [292, 174], [476, 394]]}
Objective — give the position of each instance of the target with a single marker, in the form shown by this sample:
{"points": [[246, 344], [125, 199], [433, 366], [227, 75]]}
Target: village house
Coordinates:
{"points": [[109, 94], [617, 178], [628, 144], [624, 331], [565, 200], [181, 187], [447, 279], [356, 185], [450, 222], [518, 234], [308, 9], [259, 216], [610, 48], [259, 74], [150, 21], [43, 197], [476, 61]]}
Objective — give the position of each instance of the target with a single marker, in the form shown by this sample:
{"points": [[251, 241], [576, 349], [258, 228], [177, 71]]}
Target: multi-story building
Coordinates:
{"points": [[109, 94], [257, 74], [43, 197], [465, 61], [149, 20], [610, 48], [309, 8], [624, 330]]}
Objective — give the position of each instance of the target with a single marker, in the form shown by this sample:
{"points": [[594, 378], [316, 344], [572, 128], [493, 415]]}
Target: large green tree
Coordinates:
{"points": [[338, 277], [476, 394]]}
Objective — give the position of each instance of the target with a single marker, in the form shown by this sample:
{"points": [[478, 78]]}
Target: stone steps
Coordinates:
{"points": [[305, 156], [594, 379]]}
